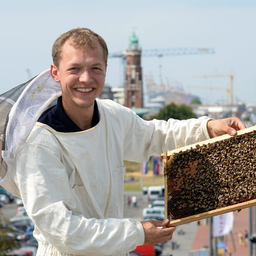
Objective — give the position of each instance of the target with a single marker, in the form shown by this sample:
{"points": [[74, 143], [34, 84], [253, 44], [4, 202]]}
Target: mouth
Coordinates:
{"points": [[84, 89]]}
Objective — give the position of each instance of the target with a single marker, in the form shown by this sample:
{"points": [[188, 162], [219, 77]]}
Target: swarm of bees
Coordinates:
{"points": [[211, 176]]}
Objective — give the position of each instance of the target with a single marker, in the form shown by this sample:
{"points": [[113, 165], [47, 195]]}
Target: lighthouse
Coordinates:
{"points": [[133, 75]]}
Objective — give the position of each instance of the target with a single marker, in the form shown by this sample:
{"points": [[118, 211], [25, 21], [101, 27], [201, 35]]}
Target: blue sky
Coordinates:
{"points": [[29, 28]]}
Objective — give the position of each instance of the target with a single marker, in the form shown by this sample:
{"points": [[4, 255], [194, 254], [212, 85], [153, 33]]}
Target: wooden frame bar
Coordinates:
{"points": [[211, 213]]}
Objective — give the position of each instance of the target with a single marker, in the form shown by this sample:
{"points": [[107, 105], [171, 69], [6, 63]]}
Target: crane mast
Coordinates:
{"points": [[231, 77]]}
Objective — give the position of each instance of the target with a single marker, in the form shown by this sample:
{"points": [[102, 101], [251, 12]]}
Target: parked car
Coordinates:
{"points": [[8, 194], [30, 229], [157, 203], [27, 235], [19, 201], [21, 252], [158, 248], [159, 198], [145, 193], [31, 249], [21, 212], [32, 242], [153, 217], [154, 192], [21, 223], [4, 199], [145, 249], [156, 212]]}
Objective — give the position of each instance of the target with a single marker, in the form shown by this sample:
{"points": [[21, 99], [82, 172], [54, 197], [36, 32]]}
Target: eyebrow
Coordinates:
{"points": [[98, 63], [93, 64]]}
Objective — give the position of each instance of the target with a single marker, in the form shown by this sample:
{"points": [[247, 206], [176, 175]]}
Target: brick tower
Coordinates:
{"points": [[133, 75]]}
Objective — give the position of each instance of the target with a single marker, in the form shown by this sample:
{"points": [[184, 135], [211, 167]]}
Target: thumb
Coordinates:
{"points": [[164, 223], [160, 223], [231, 131]]}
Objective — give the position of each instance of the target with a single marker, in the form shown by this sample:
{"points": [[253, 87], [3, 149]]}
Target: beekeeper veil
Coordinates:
{"points": [[20, 109]]}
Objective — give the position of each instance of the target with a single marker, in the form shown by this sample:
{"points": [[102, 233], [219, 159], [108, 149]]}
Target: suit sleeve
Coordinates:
{"points": [[146, 138]]}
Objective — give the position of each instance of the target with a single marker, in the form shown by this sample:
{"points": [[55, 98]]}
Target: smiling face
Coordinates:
{"points": [[81, 73]]}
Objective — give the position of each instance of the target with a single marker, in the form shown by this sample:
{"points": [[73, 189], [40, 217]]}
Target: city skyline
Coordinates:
{"points": [[29, 28]]}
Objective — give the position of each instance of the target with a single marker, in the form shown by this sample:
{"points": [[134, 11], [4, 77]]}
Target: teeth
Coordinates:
{"points": [[84, 89]]}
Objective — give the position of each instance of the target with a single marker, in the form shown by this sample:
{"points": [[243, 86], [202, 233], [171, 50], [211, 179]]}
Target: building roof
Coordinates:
{"points": [[133, 42]]}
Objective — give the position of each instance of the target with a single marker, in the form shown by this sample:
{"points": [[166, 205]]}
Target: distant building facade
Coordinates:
{"points": [[119, 95], [106, 93], [218, 111], [133, 75]]}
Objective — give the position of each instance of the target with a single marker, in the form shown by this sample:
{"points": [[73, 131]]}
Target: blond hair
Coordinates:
{"points": [[80, 38]]}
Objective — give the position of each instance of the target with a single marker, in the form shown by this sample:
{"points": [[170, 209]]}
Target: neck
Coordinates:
{"points": [[82, 117]]}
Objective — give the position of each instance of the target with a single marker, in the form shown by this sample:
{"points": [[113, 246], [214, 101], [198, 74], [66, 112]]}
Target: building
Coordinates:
{"points": [[118, 95], [218, 111], [133, 75], [106, 93]]}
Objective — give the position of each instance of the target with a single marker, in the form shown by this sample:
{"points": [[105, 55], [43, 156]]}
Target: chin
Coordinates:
{"points": [[85, 104]]}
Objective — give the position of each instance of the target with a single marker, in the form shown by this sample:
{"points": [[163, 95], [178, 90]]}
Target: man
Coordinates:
{"points": [[69, 170]]}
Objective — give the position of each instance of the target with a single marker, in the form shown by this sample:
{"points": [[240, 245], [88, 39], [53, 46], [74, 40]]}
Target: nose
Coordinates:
{"points": [[85, 76]]}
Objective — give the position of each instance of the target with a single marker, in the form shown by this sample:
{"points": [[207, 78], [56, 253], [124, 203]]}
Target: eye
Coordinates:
{"points": [[72, 69]]}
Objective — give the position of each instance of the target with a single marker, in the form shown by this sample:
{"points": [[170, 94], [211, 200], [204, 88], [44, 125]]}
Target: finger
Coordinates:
{"points": [[166, 236], [165, 223], [236, 123], [241, 125], [160, 223], [167, 231]]}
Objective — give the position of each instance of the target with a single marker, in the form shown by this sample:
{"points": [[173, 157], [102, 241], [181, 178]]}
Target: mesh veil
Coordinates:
{"points": [[22, 106]]}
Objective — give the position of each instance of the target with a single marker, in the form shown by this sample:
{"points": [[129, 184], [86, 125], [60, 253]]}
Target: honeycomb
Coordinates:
{"points": [[211, 176]]}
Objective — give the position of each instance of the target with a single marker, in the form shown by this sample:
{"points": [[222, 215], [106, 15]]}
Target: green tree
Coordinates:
{"points": [[7, 243], [175, 111], [247, 119], [196, 100]]}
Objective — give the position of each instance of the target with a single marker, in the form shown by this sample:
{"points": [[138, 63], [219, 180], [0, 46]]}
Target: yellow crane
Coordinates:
{"points": [[229, 91], [212, 88]]}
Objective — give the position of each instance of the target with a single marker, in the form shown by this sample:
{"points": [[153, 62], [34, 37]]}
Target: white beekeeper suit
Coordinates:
{"points": [[72, 183]]}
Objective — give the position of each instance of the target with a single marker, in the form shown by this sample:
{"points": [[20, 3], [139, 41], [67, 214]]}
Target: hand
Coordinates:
{"points": [[224, 126], [155, 235]]}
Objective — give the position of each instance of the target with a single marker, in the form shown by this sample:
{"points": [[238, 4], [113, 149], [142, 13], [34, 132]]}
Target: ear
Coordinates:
{"points": [[106, 67], [55, 73]]}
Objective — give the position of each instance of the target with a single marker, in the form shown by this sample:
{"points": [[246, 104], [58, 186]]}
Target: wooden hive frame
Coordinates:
{"points": [[168, 157]]}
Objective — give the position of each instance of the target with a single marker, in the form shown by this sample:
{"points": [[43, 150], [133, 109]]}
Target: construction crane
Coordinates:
{"points": [[166, 52], [231, 77], [212, 88], [163, 52]]}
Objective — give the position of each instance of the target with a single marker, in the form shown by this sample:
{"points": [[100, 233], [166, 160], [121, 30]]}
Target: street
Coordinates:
{"points": [[183, 237], [178, 246], [136, 214], [9, 210]]}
